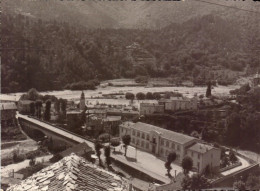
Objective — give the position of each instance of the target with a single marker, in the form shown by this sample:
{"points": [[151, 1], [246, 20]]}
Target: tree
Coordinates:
{"points": [[98, 146], [130, 96], [195, 134], [187, 164], [126, 140], [140, 96], [107, 155], [149, 96], [232, 157], [47, 112], [170, 158], [195, 182], [33, 94], [239, 185], [156, 95], [38, 105], [208, 92], [253, 182], [115, 143], [57, 106], [32, 108], [32, 161]]}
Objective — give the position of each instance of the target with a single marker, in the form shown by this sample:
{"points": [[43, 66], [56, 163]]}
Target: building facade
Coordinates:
{"points": [[8, 111], [150, 108], [179, 103], [161, 142]]}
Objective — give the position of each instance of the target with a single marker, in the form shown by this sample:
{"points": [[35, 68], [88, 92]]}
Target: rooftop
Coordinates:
{"points": [[200, 148], [171, 135], [7, 106], [72, 173]]}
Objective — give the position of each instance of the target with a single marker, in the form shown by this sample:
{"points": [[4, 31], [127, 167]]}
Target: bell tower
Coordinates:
{"points": [[82, 104]]}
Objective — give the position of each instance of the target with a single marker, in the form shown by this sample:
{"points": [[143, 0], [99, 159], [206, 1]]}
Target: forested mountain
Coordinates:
{"points": [[48, 54], [127, 14]]}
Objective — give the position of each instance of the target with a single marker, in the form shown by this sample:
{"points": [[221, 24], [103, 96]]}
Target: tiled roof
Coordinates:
{"points": [[78, 149], [200, 148], [72, 173], [171, 135], [8, 106]]}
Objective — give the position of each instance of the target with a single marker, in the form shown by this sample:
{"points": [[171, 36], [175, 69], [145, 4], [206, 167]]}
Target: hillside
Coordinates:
{"points": [[127, 14], [48, 54]]}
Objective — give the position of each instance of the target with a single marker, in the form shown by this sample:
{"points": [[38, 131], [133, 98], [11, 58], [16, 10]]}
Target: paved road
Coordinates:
{"points": [[244, 162]]}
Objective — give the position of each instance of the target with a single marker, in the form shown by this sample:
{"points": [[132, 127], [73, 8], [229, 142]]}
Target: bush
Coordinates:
{"points": [[104, 137], [28, 171], [56, 158]]}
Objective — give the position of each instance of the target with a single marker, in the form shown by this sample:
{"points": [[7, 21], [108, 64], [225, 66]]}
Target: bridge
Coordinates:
{"points": [[51, 131], [60, 134]]}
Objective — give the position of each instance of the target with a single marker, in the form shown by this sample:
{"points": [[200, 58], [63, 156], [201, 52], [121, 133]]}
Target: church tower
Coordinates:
{"points": [[82, 104]]}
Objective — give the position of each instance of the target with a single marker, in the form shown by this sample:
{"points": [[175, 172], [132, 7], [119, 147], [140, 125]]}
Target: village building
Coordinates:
{"points": [[161, 142], [151, 108], [8, 111], [179, 103], [72, 173], [24, 106]]}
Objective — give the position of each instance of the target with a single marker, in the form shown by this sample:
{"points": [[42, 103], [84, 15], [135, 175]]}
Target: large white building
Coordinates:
{"points": [[161, 142]]}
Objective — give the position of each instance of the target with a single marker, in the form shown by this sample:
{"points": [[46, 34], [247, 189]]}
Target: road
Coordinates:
{"points": [[244, 162]]}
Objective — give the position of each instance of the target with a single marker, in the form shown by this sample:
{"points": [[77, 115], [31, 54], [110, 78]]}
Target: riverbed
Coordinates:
{"points": [[90, 94]]}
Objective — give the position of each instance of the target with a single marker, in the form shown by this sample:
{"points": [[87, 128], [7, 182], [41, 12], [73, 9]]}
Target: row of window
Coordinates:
{"points": [[167, 144], [141, 134], [143, 144]]}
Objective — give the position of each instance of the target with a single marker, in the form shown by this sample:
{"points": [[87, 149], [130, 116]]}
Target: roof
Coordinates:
{"points": [[79, 149], [113, 118], [8, 106], [200, 148], [171, 135], [72, 173]]}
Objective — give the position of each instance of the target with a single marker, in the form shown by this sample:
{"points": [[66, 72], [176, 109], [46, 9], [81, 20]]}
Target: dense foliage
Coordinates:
{"points": [[51, 54]]}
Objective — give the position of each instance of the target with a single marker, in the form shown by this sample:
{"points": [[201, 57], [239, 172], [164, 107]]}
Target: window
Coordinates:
{"points": [[162, 142], [137, 142], [133, 132], [198, 165], [138, 134], [147, 137], [133, 140], [167, 143], [162, 151], [178, 147], [166, 152], [142, 144], [147, 145], [173, 146], [142, 135]]}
